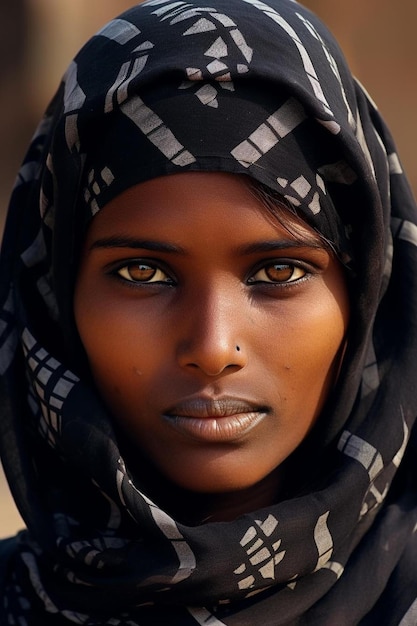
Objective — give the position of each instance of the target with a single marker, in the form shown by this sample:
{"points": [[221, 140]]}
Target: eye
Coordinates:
{"points": [[139, 272], [278, 273]]}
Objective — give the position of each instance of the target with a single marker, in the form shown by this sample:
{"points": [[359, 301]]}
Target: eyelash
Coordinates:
{"points": [[154, 269], [279, 266], [122, 273]]}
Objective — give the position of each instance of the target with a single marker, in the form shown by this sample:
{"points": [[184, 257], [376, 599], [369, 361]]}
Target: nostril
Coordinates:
{"points": [[212, 355]]}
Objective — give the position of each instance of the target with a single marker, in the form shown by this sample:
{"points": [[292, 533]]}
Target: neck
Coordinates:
{"points": [[200, 508], [194, 509]]}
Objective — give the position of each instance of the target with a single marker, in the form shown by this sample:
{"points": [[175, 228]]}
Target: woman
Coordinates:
{"points": [[208, 334]]}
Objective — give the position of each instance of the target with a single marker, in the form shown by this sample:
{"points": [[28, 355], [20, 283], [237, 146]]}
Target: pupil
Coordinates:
{"points": [[142, 272], [279, 272]]}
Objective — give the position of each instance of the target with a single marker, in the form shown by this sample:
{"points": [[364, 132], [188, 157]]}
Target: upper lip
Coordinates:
{"points": [[203, 407]]}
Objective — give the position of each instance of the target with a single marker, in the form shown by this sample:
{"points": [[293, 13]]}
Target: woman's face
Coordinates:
{"points": [[213, 334]]}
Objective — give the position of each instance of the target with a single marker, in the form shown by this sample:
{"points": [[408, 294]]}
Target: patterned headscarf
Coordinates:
{"points": [[256, 88]]}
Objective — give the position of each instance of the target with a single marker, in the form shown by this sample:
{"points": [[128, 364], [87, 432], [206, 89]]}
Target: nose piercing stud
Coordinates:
{"points": [[237, 348]]}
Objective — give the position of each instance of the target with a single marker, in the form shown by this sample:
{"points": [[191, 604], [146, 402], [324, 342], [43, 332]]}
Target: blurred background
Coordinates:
{"points": [[38, 38]]}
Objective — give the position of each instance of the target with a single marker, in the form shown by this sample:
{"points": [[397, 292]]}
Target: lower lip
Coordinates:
{"points": [[216, 429]]}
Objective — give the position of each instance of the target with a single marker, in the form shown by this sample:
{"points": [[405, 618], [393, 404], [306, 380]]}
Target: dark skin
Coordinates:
{"points": [[213, 335]]}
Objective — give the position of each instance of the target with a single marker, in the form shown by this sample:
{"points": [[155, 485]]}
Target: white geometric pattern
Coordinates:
{"points": [[97, 182], [268, 134], [204, 617], [324, 543], [52, 383], [405, 230], [156, 131], [261, 553], [218, 51], [362, 451], [167, 526], [332, 64], [306, 60], [127, 73], [324, 540]]}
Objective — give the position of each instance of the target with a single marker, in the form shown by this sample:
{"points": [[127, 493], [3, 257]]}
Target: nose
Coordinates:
{"points": [[212, 341]]}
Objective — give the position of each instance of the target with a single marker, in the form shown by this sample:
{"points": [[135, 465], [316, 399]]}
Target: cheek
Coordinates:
{"points": [[310, 349], [112, 350], [121, 349]]}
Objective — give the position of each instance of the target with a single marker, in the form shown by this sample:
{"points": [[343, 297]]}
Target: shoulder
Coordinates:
{"points": [[8, 548], [398, 603]]}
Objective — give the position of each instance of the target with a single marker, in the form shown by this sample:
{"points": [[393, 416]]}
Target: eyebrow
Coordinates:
{"points": [[136, 244], [280, 244], [159, 246]]}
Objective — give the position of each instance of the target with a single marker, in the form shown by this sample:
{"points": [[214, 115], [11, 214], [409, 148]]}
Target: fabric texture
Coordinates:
{"points": [[244, 86]]}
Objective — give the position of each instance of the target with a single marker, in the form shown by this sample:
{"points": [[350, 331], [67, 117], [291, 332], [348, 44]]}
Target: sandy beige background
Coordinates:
{"points": [[39, 37]]}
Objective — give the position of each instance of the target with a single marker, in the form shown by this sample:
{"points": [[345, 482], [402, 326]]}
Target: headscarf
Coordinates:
{"points": [[248, 87]]}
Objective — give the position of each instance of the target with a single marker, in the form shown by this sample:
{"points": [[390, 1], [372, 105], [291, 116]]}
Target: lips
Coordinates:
{"points": [[224, 419]]}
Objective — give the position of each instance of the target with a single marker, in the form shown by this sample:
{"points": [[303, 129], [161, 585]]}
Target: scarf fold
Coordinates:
{"points": [[247, 87]]}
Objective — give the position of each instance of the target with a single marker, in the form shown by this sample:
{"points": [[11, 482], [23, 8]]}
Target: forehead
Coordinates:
{"points": [[207, 202]]}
